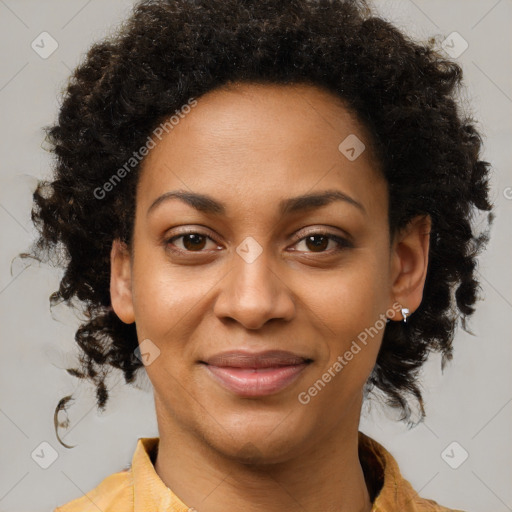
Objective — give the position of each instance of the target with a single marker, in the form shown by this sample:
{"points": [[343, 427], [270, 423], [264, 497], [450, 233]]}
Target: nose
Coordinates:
{"points": [[253, 293]]}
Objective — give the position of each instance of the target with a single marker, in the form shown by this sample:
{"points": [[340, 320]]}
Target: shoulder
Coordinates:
{"points": [[113, 494], [391, 490], [408, 500]]}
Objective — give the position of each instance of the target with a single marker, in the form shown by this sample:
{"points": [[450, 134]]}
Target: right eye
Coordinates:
{"points": [[191, 241]]}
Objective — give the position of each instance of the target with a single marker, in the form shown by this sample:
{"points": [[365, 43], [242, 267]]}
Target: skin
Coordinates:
{"points": [[250, 146]]}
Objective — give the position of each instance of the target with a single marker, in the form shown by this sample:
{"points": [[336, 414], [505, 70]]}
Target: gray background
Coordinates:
{"points": [[469, 403]]}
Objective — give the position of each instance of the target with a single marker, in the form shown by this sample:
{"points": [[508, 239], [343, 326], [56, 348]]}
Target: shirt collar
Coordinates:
{"points": [[394, 492], [380, 468], [149, 491]]}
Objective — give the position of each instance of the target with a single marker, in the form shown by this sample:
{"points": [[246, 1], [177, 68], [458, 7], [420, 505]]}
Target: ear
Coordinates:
{"points": [[409, 260], [121, 282]]}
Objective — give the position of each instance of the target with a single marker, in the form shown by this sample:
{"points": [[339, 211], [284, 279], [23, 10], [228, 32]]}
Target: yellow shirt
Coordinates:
{"points": [[140, 489]]}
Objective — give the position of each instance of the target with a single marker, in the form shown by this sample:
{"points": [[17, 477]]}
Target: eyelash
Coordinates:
{"points": [[343, 243]]}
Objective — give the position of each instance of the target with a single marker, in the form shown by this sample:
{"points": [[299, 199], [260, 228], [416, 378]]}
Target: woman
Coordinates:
{"points": [[268, 206]]}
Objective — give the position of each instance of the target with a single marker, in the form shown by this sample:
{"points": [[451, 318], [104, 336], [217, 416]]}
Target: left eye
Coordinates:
{"points": [[319, 242]]}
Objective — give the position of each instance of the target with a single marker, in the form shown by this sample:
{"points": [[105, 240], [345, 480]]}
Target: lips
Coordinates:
{"points": [[255, 374]]}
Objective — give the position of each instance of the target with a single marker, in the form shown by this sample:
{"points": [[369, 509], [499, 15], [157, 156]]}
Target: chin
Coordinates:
{"points": [[258, 454], [258, 441]]}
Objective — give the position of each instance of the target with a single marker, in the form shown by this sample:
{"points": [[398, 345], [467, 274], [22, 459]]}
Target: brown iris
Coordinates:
{"points": [[322, 245], [193, 241]]}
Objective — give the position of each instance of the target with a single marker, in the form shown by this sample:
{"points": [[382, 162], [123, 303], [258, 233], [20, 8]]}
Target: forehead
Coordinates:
{"points": [[266, 142]]}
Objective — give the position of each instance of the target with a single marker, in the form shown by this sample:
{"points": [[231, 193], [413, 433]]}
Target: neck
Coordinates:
{"points": [[325, 476]]}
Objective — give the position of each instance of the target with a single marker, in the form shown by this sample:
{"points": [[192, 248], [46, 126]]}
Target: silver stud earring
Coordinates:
{"points": [[405, 312]]}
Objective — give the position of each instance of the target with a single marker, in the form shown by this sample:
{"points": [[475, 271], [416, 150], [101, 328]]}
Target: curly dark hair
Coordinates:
{"points": [[169, 51]]}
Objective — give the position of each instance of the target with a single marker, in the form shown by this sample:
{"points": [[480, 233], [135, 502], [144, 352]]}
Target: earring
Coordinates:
{"points": [[405, 312]]}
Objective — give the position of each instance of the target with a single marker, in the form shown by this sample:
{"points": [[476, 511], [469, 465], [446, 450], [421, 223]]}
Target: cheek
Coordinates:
{"points": [[350, 306], [351, 298], [165, 298], [157, 302]]}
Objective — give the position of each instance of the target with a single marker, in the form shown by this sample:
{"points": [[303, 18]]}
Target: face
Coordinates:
{"points": [[250, 290]]}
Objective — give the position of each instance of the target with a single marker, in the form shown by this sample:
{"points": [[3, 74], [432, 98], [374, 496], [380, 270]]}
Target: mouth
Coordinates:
{"points": [[255, 374]]}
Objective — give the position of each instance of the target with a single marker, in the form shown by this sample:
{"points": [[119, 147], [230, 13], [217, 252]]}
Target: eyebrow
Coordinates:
{"points": [[207, 204]]}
